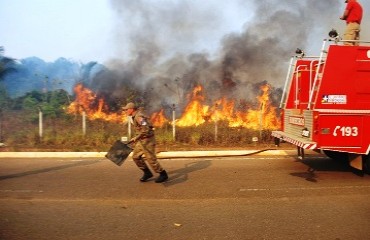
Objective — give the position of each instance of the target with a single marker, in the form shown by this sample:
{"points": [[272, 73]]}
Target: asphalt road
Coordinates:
{"points": [[255, 197]]}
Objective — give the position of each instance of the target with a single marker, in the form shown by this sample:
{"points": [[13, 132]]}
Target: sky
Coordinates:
{"points": [[85, 30], [76, 29], [143, 40], [226, 46], [100, 30]]}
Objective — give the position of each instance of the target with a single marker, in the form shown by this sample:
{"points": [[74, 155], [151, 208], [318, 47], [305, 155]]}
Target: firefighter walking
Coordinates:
{"points": [[144, 140]]}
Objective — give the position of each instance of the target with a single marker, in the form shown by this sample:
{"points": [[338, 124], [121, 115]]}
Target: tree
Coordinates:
{"points": [[7, 65]]}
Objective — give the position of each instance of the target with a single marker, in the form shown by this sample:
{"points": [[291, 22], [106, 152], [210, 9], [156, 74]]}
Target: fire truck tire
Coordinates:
{"points": [[366, 163], [341, 156]]}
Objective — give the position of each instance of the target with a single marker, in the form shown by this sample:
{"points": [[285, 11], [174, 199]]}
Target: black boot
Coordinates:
{"points": [[147, 174], [162, 177]]}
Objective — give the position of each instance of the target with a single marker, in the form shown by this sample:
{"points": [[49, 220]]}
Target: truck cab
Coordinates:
{"points": [[325, 104]]}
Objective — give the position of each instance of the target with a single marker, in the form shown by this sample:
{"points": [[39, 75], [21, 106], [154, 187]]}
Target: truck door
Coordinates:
{"points": [[341, 131]]}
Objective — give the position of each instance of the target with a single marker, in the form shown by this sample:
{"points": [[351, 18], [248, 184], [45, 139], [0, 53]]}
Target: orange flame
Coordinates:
{"points": [[195, 113], [158, 119], [94, 108]]}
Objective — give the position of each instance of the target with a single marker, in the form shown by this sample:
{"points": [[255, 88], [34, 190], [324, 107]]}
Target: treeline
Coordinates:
{"points": [[31, 84], [52, 104], [20, 76]]}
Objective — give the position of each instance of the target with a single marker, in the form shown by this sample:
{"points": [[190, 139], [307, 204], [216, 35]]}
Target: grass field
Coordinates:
{"points": [[19, 132]]}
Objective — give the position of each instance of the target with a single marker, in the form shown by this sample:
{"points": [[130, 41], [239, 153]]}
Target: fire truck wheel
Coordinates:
{"points": [[341, 156], [366, 162]]}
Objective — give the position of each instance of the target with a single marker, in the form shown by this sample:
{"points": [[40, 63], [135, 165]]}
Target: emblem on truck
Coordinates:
{"points": [[334, 99]]}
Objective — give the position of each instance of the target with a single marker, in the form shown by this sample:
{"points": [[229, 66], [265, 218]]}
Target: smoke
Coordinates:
{"points": [[166, 48], [279, 27]]}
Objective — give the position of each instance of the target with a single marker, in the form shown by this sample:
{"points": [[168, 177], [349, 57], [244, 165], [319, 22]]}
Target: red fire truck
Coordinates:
{"points": [[325, 104]]}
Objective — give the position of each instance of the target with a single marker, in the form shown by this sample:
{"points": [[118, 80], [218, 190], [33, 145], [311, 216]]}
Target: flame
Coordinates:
{"points": [[195, 113], [262, 118], [94, 107], [158, 119]]}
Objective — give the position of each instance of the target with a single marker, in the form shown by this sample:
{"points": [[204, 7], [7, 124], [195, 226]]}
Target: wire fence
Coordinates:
{"points": [[32, 130]]}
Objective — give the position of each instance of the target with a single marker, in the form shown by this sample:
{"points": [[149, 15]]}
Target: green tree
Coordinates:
{"points": [[56, 102], [30, 104], [7, 65], [52, 103]]}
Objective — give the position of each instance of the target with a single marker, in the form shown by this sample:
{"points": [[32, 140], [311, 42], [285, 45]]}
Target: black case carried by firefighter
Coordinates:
{"points": [[118, 153]]}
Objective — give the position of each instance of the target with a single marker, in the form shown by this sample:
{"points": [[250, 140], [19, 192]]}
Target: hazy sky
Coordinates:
{"points": [[49, 29], [87, 30], [100, 30]]}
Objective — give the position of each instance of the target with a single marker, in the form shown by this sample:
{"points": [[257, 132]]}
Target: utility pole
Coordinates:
{"points": [[83, 122], [261, 120], [1, 125], [40, 123], [174, 122], [129, 120], [216, 122]]}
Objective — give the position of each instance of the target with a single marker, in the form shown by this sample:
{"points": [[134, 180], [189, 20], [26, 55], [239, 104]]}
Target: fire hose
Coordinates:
{"points": [[208, 154]]}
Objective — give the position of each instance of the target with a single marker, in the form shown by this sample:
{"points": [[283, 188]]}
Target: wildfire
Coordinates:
{"points": [[195, 113], [158, 119], [95, 108]]}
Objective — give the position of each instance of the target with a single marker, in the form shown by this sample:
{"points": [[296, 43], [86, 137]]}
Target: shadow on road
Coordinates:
{"points": [[321, 165], [38, 171], [309, 175], [181, 175]]}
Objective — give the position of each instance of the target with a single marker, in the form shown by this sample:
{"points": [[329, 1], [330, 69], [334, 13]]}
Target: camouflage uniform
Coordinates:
{"points": [[144, 143]]}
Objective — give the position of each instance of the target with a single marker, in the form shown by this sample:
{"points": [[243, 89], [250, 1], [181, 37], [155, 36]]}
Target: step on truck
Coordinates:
{"points": [[325, 105]]}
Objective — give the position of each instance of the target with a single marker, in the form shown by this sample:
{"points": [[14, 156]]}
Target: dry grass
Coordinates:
{"points": [[21, 133]]}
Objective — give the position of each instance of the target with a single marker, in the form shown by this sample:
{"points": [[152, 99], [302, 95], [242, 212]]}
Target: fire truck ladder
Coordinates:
{"points": [[288, 76], [317, 81], [291, 71]]}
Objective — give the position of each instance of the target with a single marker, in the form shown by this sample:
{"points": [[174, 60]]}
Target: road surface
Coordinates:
{"points": [[254, 197]]}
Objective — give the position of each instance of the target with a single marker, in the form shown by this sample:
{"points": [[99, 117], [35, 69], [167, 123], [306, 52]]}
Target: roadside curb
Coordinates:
{"points": [[160, 155]]}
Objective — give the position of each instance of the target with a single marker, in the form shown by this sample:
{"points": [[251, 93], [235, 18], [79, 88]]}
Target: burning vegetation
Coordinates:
{"points": [[195, 113], [88, 103]]}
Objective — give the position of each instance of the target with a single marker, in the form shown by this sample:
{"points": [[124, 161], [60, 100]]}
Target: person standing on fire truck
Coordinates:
{"points": [[353, 16], [144, 141]]}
